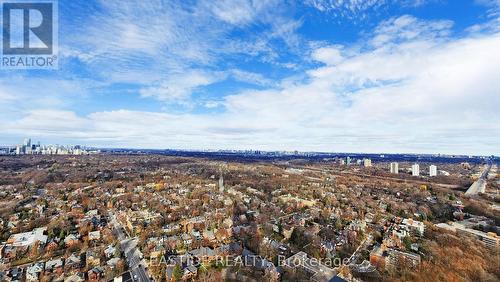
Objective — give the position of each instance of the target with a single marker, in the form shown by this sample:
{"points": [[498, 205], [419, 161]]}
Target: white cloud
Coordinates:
{"points": [[415, 3], [250, 77], [236, 12], [408, 28], [211, 104], [408, 88], [329, 55], [22, 93], [360, 9], [346, 8], [490, 3], [179, 87], [155, 43], [488, 27]]}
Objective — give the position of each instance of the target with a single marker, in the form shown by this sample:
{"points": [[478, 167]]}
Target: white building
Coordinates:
{"points": [[28, 238], [415, 170], [33, 271], [221, 183], [432, 170], [367, 162], [444, 172], [415, 226], [394, 168], [27, 142], [490, 239]]}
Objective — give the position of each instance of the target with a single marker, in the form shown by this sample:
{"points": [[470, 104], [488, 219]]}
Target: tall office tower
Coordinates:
{"points": [[26, 148], [18, 150], [394, 168], [415, 170], [432, 170], [348, 160], [367, 162]]}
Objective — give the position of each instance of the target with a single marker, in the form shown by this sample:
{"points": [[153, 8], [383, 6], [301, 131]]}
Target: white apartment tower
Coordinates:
{"points": [[394, 168], [432, 170], [415, 170], [221, 183]]}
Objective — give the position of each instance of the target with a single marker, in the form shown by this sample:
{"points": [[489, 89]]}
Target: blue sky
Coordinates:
{"points": [[316, 75]]}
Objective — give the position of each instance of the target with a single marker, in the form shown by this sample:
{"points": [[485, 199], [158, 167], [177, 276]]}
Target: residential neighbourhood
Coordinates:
{"points": [[158, 218]]}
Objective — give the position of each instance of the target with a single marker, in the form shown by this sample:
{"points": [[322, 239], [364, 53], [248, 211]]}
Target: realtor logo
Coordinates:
{"points": [[29, 34]]}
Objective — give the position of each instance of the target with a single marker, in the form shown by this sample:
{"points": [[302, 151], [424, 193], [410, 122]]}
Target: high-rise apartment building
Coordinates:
{"points": [[394, 168], [432, 170], [348, 160], [415, 170]]}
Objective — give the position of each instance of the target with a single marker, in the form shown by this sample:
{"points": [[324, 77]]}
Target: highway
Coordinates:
{"points": [[479, 186], [132, 254]]}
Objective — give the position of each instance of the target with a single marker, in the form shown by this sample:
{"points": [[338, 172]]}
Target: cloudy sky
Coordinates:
{"points": [[419, 76]]}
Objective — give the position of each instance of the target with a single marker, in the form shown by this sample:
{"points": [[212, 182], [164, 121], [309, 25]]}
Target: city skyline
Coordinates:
{"points": [[27, 147], [324, 76], [138, 148]]}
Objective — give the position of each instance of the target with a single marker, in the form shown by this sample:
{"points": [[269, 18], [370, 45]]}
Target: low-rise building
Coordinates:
{"points": [[27, 239], [417, 227], [490, 239], [318, 272], [95, 235], [54, 266], [33, 271], [396, 258]]}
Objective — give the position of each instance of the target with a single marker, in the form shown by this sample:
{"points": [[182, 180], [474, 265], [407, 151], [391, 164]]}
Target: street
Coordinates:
{"points": [[365, 243], [479, 186], [132, 253]]}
